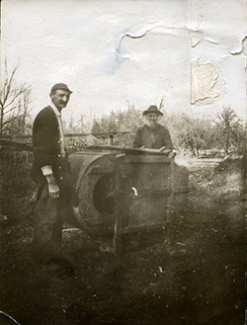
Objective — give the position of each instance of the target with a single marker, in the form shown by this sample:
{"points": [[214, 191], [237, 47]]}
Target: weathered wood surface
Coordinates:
{"points": [[132, 151]]}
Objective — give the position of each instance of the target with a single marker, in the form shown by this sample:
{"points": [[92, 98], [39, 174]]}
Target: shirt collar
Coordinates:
{"points": [[153, 128], [56, 111]]}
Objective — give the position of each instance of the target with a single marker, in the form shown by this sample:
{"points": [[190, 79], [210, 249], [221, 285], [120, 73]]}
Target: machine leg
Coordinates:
{"points": [[117, 240], [122, 212], [169, 231]]}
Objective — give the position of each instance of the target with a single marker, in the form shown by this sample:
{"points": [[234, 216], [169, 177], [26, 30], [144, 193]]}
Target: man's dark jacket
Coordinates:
{"points": [[156, 138], [46, 148]]}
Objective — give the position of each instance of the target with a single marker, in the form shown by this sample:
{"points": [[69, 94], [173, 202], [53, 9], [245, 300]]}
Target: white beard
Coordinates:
{"points": [[151, 125]]}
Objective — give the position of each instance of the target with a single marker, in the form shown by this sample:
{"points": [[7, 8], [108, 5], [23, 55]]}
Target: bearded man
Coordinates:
{"points": [[152, 134]]}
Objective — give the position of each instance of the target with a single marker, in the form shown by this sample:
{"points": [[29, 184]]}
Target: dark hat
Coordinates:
{"points": [[61, 86], [152, 109]]}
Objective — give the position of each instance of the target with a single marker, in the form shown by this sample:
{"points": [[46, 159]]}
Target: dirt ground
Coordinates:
{"points": [[199, 278]]}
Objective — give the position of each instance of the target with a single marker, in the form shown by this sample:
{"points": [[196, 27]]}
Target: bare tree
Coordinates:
{"points": [[162, 103], [14, 100], [160, 106], [231, 130]]}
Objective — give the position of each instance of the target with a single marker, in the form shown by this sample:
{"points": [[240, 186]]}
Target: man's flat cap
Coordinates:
{"points": [[61, 86], [152, 109]]}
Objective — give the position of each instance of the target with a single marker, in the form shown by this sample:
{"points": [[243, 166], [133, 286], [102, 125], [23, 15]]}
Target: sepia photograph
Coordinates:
{"points": [[123, 162]]}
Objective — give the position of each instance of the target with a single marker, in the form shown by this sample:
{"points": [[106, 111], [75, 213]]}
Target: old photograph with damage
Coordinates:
{"points": [[122, 160]]}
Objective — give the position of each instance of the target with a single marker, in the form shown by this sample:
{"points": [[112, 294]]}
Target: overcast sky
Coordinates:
{"points": [[114, 52]]}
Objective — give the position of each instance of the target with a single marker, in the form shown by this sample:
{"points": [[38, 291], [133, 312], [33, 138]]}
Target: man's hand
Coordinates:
{"points": [[52, 187], [171, 154]]}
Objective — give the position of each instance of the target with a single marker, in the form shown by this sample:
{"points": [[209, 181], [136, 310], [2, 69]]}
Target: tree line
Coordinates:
{"points": [[188, 132]]}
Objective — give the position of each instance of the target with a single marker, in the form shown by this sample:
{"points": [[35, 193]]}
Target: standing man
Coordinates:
{"points": [[152, 134], [51, 171]]}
